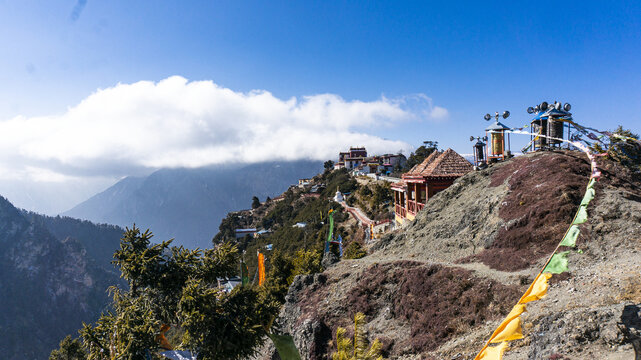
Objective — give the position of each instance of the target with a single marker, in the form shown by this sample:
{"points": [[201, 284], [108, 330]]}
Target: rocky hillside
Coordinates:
{"points": [[48, 285], [439, 287]]}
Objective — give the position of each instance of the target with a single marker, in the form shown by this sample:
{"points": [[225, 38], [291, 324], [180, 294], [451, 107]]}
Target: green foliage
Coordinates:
{"points": [[364, 191], [339, 179], [70, 349], [220, 326], [255, 202], [289, 239], [354, 250], [328, 165], [307, 262], [356, 349], [227, 229], [625, 148], [129, 332], [420, 154], [177, 287], [271, 295], [382, 194], [279, 214], [137, 261], [375, 199]]}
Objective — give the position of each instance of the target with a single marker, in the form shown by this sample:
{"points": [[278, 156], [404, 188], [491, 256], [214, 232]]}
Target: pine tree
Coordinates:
{"points": [[177, 287], [70, 349], [255, 202], [356, 349]]}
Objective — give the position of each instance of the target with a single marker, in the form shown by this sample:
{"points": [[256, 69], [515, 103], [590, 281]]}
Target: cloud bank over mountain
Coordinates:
{"points": [[51, 163], [131, 128]]}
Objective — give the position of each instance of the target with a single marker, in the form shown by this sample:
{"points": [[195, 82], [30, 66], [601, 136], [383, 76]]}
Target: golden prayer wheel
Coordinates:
{"points": [[497, 143]]}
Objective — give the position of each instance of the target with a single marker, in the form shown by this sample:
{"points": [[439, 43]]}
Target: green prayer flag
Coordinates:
{"points": [[558, 264], [244, 274], [589, 195], [331, 226], [285, 347], [570, 238], [581, 216], [591, 183]]}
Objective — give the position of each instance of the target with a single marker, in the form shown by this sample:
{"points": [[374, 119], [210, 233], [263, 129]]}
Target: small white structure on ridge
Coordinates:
{"points": [[338, 197]]}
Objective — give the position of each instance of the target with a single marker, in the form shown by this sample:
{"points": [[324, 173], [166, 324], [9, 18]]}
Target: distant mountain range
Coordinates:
{"points": [[188, 204], [54, 272]]}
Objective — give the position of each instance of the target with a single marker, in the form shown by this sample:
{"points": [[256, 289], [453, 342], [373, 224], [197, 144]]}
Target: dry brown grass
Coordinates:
{"points": [[543, 197], [631, 290], [437, 302]]}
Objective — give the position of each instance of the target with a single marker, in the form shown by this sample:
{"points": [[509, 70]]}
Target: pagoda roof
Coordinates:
{"points": [[399, 186], [419, 168], [497, 126], [441, 164], [554, 114]]}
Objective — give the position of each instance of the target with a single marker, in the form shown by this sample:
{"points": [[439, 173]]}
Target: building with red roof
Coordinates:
{"points": [[436, 173]]}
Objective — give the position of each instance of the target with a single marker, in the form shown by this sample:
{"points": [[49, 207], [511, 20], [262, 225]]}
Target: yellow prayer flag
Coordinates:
{"points": [[502, 330], [537, 290], [492, 353], [511, 331]]}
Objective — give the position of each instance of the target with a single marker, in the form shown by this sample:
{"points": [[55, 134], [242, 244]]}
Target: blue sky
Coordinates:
{"points": [[468, 58]]}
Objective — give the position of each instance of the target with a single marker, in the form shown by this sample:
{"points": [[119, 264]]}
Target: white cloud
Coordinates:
{"points": [[439, 113], [130, 128]]}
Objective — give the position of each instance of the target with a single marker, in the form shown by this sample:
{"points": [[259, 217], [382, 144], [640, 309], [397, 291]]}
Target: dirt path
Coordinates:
{"points": [[358, 214]]}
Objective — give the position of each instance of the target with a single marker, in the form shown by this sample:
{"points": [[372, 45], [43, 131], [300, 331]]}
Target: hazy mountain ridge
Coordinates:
{"points": [[49, 285], [188, 204], [99, 240]]}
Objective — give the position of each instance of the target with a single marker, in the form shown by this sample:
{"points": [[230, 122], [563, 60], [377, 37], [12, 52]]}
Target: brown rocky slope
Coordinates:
{"points": [[438, 288]]}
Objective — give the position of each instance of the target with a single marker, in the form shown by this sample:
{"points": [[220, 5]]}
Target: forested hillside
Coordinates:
{"points": [[51, 282], [99, 240]]}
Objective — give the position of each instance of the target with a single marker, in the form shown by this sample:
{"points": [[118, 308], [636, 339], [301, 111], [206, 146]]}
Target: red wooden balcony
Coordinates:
{"points": [[413, 206]]}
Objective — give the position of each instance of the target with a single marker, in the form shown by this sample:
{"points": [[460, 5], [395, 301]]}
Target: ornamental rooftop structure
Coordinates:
{"points": [[436, 173], [550, 121]]}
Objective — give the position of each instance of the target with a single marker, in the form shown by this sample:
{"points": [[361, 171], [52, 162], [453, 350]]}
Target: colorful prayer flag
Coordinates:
{"points": [[164, 343], [570, 237], [581, 216], [511, 331], [330, 234], [285, 347], [492, 353], [589, 195], [537, 290], [510, 328], [558, 263], [261, 269], [244, 273]]}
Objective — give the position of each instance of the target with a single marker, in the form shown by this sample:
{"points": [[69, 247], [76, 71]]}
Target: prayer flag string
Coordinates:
{"points": [[510, 327]]}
